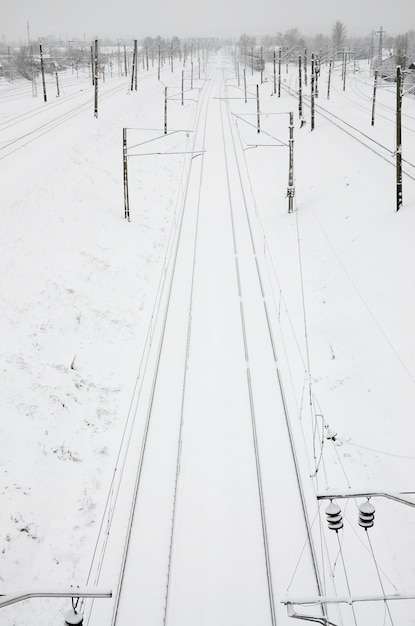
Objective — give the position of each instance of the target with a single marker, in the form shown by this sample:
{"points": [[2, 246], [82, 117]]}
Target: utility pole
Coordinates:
{"points": [[312, 91], [374, 97], [133, 72], [279, 73], [275, 72], [42, 69], [96, 79], [305, 66], [300, 90], [290, 189], [165, 110], [398, 138], [258, 114], [92, 66], [125, 169], [316, 75]]}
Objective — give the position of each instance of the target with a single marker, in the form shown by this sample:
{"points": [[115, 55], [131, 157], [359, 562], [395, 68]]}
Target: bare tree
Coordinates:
{"points": [[23, 63], [247, 40], [338, 35], [292, 38]]}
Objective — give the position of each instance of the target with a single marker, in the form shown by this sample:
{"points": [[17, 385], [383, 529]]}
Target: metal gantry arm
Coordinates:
{"points": [[353, 493], [319, 600], [407, 498], [66, 592]]}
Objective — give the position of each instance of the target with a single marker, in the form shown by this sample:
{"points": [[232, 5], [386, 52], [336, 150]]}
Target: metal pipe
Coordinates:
{"points": [[333, 495], [67, 592]]}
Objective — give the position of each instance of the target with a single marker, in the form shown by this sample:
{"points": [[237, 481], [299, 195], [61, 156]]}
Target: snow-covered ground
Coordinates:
{"points": [[79, 285]]}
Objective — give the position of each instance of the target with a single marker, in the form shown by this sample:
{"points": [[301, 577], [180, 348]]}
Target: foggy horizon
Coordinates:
{"points": [[23, 18]]}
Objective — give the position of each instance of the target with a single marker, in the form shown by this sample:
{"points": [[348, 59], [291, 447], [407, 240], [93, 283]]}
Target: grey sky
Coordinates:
{"points": [[186, 18]]}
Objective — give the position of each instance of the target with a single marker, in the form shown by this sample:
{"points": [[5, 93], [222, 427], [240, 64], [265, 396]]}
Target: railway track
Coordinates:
{"points": [[203, 542], [19, 131], [384, 152]]}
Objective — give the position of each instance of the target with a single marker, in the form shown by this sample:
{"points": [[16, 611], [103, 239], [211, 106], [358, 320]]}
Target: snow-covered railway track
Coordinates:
{"points": [[138, 514], [207, 539], [23, 129], [374, 146], [384, 152], [358, 86]]}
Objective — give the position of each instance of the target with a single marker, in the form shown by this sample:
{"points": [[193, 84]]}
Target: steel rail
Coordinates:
{"points": [[249, 381], [204, 103], [142, 368], [280, 382], [6, 599], [114, 489], [50, 125], [328, 116], [44, 129], [150, 407]]}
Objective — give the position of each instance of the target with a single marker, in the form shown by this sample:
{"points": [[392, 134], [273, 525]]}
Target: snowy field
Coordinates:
{"points": [[82, 287]]}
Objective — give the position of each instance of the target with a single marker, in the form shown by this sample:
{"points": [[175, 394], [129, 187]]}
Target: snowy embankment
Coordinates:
{"points": [[78, 283]]}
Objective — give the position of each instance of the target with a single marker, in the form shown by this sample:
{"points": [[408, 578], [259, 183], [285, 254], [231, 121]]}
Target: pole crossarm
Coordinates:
{"points": [[66, 592], [167, 153], [316, 600], [396, 496]]}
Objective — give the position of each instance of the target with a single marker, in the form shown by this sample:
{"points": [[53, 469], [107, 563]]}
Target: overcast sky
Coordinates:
{"points": [[196, 18]]}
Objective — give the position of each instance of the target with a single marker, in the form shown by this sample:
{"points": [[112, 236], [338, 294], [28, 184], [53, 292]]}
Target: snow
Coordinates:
{"points": [[81, 287]]}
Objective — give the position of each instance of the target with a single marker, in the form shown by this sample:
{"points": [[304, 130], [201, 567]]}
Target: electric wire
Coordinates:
{"points": [[280, 384], [365, 547], [341, 124], [384, 452], [346, 576], [47, 127], [308, 367], [378, 575], [362, 299]]}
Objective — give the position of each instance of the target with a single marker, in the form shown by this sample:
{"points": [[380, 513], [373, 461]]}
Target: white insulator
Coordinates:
{"points": [[336, 526], [73, 618], [334, 517], [366, 515]]}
